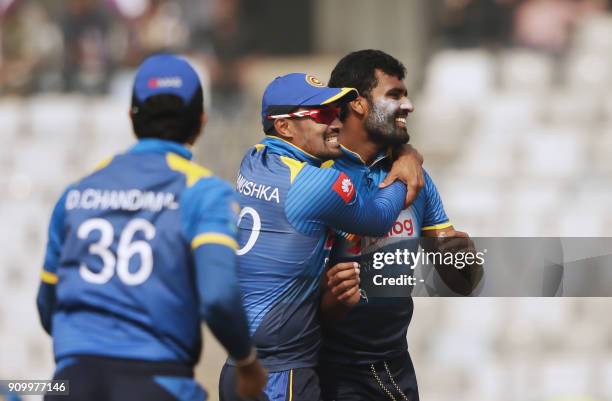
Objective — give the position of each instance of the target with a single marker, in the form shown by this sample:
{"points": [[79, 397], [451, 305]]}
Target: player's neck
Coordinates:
{"points": [[354, 137]]}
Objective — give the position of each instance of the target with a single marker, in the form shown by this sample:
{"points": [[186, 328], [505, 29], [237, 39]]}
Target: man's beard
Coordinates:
{"points": [[380, 125]]}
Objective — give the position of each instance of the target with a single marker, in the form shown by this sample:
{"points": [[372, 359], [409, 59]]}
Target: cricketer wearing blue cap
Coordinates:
{"points": [[140, 252], [288, 205]]}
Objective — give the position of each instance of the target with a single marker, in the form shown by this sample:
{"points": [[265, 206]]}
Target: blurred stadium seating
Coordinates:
{"points": [[518, 142]]}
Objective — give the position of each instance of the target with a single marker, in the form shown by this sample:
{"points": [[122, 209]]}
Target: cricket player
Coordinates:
{"points": [[140, 252], [289, 204], [364, 355]]}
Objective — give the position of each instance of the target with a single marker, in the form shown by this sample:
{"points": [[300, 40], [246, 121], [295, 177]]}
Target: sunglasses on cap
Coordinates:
{"points": [[324, 116]]}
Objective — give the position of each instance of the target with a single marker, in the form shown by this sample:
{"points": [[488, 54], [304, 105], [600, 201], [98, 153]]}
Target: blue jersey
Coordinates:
{"points": [[375, 329], [130, 269], [288, 204]]}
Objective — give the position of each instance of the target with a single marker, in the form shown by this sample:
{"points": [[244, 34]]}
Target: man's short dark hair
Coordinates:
{"points": [[168, 117], [358, 70]]}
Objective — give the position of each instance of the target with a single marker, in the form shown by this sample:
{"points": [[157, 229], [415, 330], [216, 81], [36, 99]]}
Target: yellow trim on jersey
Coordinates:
{"points": [[48, 277], [297, 147], [437, 226], [192, 171], [259, 146], [327, 164], [214, 238], [295, 166], [343, 92], [103, 164], [357, 155], [291, 385]]}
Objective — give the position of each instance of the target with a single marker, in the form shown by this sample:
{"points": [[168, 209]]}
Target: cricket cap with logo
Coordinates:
{"points": [[299, 90], [166, 74]]}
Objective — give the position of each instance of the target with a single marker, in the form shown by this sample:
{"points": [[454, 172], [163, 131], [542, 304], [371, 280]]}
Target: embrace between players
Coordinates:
{"points": [[146, 247]]}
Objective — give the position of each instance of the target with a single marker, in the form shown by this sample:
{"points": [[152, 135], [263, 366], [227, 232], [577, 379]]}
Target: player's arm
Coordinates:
{"points": [[210, 224], [46, 299], [328, 196], [440, 236], [462, 281], [408, 168]]}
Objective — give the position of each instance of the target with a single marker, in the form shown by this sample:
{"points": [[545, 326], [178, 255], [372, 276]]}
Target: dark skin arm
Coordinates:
{"points": [[462, 281], [340, 289], [408, 168], [251, 379]]}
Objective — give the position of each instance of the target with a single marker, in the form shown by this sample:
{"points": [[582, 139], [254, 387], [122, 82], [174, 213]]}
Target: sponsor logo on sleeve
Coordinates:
{"points": [[344, 187]]}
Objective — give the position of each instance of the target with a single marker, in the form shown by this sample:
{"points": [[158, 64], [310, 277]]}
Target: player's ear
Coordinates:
{"points": [[203, 119], [359, 106], [283, 128]]}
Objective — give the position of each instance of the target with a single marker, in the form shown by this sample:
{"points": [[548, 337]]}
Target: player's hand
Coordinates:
{"points": [[461, 279], [343, 282], [408, 168], [252, 379], [455, 241]]}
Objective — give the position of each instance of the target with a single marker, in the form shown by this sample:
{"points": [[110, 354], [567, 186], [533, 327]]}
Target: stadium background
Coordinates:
{"points": [[513, 115]]}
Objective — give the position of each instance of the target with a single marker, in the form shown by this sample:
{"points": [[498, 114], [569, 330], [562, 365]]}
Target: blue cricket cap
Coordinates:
{"points": [[301, 90], [166, 74]]}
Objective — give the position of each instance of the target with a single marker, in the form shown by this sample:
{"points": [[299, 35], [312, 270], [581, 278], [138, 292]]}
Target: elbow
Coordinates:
{"points": [[381, 232], [375, 226], [388, 213], [385, 225], [374, 229]]}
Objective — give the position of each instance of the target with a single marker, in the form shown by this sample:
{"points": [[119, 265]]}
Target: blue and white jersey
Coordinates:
{"points": [[288, 206], [375, 329], [122, 255]]}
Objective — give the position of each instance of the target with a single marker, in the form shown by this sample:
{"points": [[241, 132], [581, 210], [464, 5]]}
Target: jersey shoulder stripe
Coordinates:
{"points": [[295, 166], [259, 146], [192, 171], [103, 164]]}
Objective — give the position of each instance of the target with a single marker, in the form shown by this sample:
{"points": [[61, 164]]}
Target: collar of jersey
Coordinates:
{"points": [[355, 158], [153, 145], [280, 146]]}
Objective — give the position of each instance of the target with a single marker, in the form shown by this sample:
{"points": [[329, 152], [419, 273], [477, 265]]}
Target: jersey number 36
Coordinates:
{"points": [[125, 250]]}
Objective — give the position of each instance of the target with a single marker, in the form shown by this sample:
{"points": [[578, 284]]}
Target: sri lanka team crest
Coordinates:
{"points": [[314, 81]]}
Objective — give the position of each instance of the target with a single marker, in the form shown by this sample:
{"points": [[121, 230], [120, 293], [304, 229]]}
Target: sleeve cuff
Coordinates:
{"points": [[214, 238], [437, 226], [48, 277]]}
